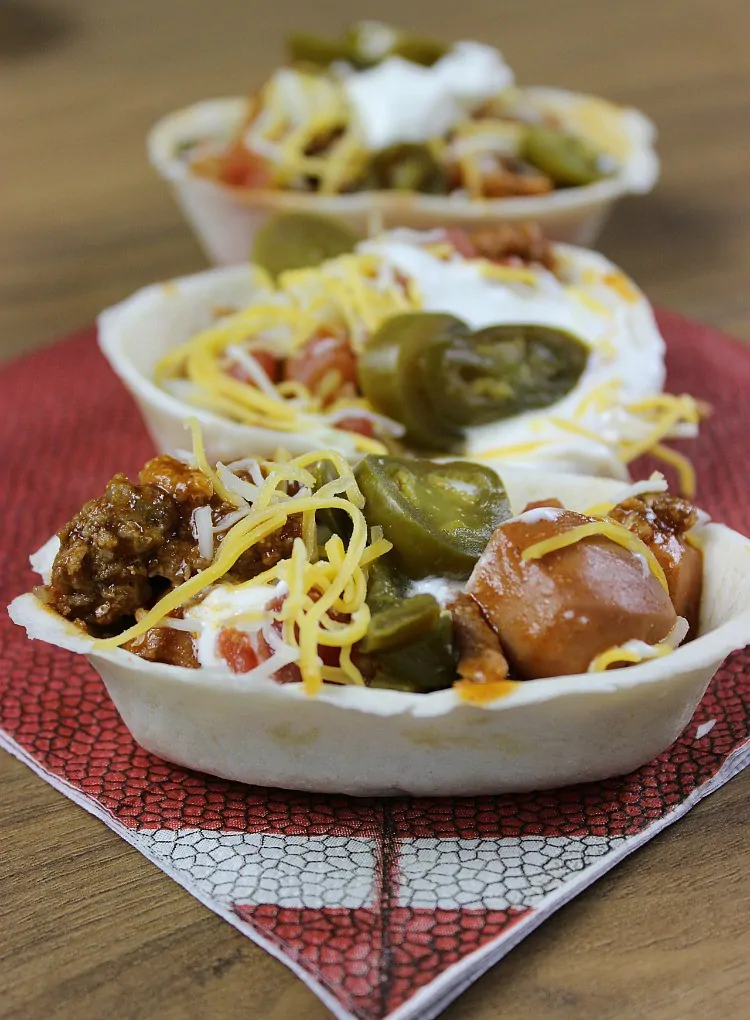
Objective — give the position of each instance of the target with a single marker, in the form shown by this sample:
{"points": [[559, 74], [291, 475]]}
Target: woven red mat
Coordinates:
{"points": [[385, 908]]}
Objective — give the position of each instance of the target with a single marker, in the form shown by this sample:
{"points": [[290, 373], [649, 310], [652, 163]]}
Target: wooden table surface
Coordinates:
{"points": [[92, 930]]}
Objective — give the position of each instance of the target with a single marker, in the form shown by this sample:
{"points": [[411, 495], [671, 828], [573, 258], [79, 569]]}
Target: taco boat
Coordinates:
{"points": [[497, 345], [330, 132], [402, 626]]}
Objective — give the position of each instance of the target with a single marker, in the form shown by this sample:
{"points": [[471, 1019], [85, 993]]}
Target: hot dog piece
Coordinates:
{"points": [[555, 614], [662, 522], [481, 658]]}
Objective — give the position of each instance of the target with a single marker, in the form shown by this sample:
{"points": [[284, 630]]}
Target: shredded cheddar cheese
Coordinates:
{"points": [[351, 295], [508, 274], [605, 529], [295, 111], [320, 589], [576, 428], [649, 421], [681, 464], [512, 450], [620, 283]]}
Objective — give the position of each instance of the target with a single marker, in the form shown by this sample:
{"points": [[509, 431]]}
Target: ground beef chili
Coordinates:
{"points": [[510, 178], [101, 573], [514, 244], [662, 522], [123, 551], [268, 551], [187, 485], [164, 644]]}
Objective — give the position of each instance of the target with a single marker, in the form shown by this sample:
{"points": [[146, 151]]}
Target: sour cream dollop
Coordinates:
{"points": [[235, 606], [626, 349], [398, 101]]}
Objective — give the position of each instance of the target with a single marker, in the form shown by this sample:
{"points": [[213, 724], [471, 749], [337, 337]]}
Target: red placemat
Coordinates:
{"points": [[386, 908]]}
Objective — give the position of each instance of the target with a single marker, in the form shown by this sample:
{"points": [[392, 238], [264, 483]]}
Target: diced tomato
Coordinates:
{"points": [[244, 169], [270, 364], [320, 356], [402, 281], [291, 673], [354, 423], [236, 647], [288, 674], [461, 242]]}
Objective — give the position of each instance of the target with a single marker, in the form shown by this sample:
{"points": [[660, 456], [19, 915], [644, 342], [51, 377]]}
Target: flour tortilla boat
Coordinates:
{"points": [[369, 742], [226, 219], [137, 333]]}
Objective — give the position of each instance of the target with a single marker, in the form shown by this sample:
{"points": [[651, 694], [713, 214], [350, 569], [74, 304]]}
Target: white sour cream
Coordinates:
{"points": [[442, 589], [460, 288], [536, 515], [398, 101], [626, 348], [227, 606], [473, 72]]}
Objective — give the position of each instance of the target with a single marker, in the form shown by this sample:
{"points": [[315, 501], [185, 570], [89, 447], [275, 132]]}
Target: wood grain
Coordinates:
{"points": [[92, 929]]}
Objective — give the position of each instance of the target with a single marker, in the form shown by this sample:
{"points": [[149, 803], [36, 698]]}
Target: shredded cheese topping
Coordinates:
{"points": [[321, 589], [627, 654], [323, 592], [294, 112], [350, 297], [645, 422], [306, 124], [605, 529]]}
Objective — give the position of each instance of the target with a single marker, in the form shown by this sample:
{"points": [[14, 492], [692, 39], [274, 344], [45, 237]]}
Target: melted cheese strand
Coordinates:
{"points": [[622, 653], [683, 466], [576, 429], [514, 450], [199, 453], [605, 529], [670, 410], [339, 584], [351, 295]]}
